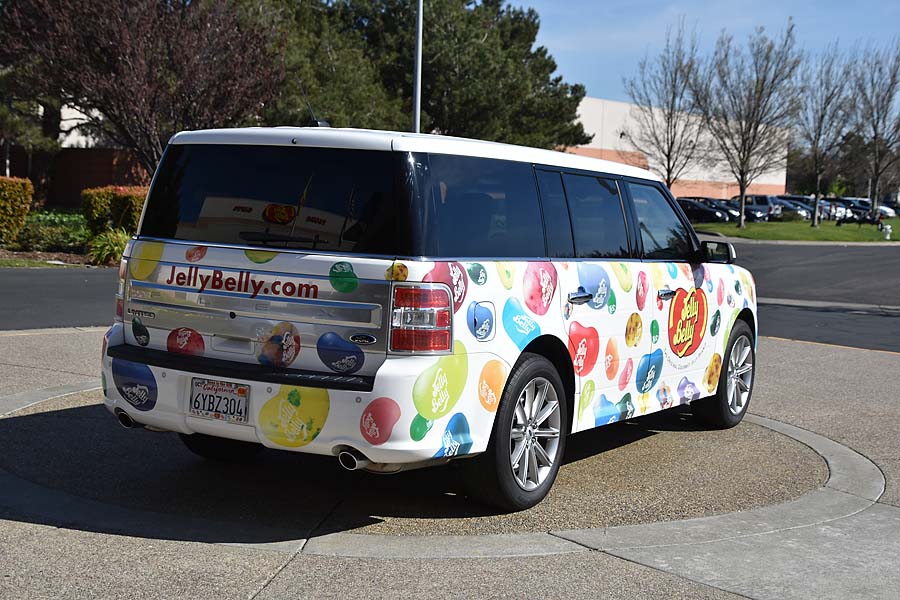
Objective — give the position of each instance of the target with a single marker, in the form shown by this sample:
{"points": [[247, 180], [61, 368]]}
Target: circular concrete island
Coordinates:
{"points": [[658, 468]]}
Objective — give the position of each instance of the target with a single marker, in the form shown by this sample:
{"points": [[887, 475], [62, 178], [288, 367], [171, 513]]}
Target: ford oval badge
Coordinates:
{"points": [[363, 339]]}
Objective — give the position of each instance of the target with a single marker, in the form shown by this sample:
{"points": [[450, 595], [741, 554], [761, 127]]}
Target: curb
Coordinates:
{"points": [[854, 484], [882, 308]]}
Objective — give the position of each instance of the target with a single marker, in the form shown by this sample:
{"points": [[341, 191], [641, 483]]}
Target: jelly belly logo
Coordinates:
{"points": [[687, 321]]}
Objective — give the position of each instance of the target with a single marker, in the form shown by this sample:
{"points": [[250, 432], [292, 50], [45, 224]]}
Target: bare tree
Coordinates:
{"points": [[825, 112], [145, 69], [667, 130], [748, 101], [876, 86]]}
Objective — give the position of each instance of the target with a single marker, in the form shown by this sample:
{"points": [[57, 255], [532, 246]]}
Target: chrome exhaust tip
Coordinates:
{"points": [[126, 421], [353, 460]]}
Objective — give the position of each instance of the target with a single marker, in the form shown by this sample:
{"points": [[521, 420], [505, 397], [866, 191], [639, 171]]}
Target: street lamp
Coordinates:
{"points": [[417, 85]]}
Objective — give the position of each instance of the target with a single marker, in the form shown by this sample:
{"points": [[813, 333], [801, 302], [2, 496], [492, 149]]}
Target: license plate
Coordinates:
{"points": [[219, 400]]}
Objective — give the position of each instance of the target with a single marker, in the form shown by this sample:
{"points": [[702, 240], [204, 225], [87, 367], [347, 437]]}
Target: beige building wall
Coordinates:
{"points": [[607, 119]]}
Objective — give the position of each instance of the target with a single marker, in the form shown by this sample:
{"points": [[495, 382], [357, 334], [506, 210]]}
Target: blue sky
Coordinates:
{"points": [[598, 42]]}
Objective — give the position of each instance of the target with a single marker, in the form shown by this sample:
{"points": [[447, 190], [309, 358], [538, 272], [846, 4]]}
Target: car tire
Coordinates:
{"points": [[728, 406], [528, 440], [220, 449]]}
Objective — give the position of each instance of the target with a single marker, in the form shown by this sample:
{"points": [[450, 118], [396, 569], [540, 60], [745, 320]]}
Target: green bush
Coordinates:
{"points": [[112, 206], [107, 247], [15, 201], [53, 231]]}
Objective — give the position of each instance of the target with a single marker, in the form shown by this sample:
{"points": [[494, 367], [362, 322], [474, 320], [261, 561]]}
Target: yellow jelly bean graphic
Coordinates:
{"points": [[294, 416], [260, 257], [144, 259], [711, 377], [643, 404], [438, 388], [506, 271], [657, 276], [397, 272], [623, 275]]}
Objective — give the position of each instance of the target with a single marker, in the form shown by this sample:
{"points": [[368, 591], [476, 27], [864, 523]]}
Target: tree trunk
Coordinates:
{"points": [[742, 219], [815, 215]]}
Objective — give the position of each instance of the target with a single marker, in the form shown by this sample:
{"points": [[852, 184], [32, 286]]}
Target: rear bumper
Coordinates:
{"points": [[328, 420]]}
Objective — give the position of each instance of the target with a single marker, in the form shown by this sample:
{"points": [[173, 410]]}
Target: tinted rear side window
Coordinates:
{"points": [[598, 222], [303, 198], [478, 207], [664, 235]]}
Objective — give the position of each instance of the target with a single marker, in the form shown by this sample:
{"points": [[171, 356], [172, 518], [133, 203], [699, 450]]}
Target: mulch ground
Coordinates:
{"points": [[66, 257]]}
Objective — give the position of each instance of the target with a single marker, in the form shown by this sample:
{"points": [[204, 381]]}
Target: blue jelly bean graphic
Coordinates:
{"points": [[648, 371], [135, 383], [605, 412], [595, 280], [520, 328], [480, 319], [338, 354], [709, 285], [672, 269], [457, 438]]}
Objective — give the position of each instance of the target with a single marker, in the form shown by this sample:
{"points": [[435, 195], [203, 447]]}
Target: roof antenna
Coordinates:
{"points": [[313, 121]]}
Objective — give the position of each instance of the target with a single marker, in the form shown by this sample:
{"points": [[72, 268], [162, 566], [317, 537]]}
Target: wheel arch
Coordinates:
{"points": [[551, 348], [748, 317]]}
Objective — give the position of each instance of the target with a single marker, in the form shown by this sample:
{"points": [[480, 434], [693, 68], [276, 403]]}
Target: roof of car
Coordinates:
{"points": [[370, 139]]}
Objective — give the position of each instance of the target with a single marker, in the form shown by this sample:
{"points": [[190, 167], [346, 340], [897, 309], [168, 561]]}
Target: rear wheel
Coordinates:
{"points": [[220, 449], [729, 405], [526, 447]]}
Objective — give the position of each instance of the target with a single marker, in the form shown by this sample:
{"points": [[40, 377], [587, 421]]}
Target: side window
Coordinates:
{"points": [[478, 207], [665, 237], [598, 223], [557, 226]]}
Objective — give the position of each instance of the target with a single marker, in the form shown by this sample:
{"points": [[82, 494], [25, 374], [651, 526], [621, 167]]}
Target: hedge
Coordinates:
{"points": [[15, 201], [112, 207]]}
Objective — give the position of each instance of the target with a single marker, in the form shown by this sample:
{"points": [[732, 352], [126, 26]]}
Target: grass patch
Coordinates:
{"points": [[27, 262], [827, 231]]}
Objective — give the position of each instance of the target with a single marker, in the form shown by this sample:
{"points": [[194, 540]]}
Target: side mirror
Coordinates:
{"points": [[717, 252]]}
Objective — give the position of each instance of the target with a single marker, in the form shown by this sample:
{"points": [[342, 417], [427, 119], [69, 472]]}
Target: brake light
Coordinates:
{"points": [[421, 318], [120, 291]]}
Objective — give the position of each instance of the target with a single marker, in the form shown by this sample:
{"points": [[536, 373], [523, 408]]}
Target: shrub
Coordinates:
{"points": [[53, 232], [107, 248], [15, 200], [112, 207]]}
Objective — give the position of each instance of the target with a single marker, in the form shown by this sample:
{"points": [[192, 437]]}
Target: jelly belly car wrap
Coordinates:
{"points": [[631, 354]]}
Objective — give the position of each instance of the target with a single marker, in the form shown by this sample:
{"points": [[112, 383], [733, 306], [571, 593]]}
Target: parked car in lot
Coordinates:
{"points": [[887, 211], [399, 301], [698, 213], [717, 204], [752, 214], [853, 210], [763, 202], [789, 208]]}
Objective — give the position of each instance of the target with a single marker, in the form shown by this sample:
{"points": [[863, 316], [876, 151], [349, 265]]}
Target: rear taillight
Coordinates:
{"points": [[421, 318], [120, 291]]}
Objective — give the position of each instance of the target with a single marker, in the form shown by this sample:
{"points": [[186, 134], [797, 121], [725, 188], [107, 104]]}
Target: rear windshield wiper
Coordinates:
{"points": [[265, 238]]}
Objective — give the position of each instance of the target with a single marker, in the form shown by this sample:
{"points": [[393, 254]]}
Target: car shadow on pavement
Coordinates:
{"points": [[76, 468]]}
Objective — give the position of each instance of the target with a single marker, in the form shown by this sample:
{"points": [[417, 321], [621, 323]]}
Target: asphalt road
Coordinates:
{"points": [[37, 298]]}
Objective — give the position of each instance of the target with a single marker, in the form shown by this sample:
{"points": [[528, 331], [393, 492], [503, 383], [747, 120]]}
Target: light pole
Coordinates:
{"points": [[417, 85]]}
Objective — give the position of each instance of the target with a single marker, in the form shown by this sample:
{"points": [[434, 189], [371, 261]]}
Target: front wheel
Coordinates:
{"points": [[526, 447], [729, 405]]}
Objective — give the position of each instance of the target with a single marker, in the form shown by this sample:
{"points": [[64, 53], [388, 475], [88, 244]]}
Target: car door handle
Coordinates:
{"points": [[666, 294], [580, 297]]}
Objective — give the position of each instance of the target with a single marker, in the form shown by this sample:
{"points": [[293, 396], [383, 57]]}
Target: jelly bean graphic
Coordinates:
{"points": [[457, 439], [611, 303], [539, 287], [419, 427], [295, 416], [634, 329], [623, 276], [586, 398], [185, 340], [664, 396], [260, 257], [731, 321], [648, 371], [480, 319], [625, 376], [729, 300], [454, 276], [642, 405], [506, 271], [584, 348], [642, 290], [567, 310], [342, 277], [490, 384], [625, 407], [520, 328], [672, 270], [439, 387], [720, 292], [477, 273], [654, 331], [279, 214], [195, 254], [279, 347], [605, 412], [397, 272], [611, 359], [685, 270], [659, 303], [711, 375], [135, 383], [378, 419], [657, 276], [709, 285], [716, 323], [142, 334], [687, 390], [737, 287], [338, 354], [595, 280], [706, 276], [145, 259]]}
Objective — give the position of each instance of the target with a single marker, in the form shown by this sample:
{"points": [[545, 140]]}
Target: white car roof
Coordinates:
{"points": [[369, 139]]}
